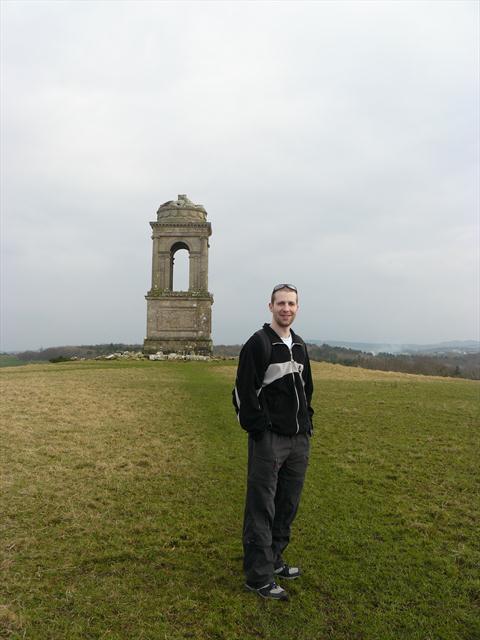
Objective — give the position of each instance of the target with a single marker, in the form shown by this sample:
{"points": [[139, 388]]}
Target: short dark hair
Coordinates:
{"points": [[280, 287]]}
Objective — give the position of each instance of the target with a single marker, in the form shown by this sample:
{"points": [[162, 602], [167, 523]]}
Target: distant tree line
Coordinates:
{"points": [[454, 364], [83, 351]]}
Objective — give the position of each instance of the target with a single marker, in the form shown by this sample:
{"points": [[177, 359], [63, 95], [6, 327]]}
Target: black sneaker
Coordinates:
{"points": [[290, 573], [272, 591]]}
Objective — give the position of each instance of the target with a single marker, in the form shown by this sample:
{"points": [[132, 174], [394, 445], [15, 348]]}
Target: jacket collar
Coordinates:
{"points": [[273, 335]]}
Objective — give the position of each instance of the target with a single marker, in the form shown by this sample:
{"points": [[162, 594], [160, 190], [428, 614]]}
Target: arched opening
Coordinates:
{"points": [[179, 267]]}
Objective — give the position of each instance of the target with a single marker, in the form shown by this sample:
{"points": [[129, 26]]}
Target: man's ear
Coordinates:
{"points": [[270, 306]]}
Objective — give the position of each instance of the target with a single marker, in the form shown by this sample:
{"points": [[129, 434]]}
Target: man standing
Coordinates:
{"points": [[272, 398]]}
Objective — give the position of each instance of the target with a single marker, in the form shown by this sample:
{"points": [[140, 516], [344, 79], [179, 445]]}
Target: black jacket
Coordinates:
{"points": [[276, 394]]}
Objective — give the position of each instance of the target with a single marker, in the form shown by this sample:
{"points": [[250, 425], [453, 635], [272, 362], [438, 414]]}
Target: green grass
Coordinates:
{"points": [[7, 360], [122, 494]]}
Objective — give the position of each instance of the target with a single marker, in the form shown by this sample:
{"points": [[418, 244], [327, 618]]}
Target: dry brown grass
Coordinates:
{"points": [[10, 622], [74, 438], [80, 418], [329, 371]]}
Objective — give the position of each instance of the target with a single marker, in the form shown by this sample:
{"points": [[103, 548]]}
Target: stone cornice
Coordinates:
{"points": [[182, 225], [154, 294]]}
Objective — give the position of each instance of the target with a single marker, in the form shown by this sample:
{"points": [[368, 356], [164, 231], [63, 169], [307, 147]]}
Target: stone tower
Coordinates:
{"points": [[179, 321]]}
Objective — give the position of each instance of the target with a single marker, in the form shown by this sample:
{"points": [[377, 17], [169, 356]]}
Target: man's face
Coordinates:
{"points": [[284, 307]]}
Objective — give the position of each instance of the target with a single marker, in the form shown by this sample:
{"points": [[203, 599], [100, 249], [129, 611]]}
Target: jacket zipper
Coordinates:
{"points": [[294, 385], [303, 388]]}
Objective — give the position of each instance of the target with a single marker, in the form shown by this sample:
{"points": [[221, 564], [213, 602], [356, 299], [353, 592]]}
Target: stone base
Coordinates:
{"points": [[179, 322], [197, 346]]}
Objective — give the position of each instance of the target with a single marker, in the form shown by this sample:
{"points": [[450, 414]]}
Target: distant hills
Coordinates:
{"points": [[455, 358], [440, 348], [460, 347]]}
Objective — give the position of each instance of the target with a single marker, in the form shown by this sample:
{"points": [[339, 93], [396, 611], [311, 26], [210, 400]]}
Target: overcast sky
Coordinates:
{"points": [[334, 145]]}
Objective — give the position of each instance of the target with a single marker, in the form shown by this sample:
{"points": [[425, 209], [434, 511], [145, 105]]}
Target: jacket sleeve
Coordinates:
{"points": [[248, 386], [307, 378]]}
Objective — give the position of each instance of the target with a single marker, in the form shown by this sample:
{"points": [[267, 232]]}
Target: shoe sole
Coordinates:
{"points": [[282, 577], [284, 596]]}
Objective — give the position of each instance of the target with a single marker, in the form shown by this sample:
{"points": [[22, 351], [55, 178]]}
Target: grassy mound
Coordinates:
{"points": [[122, 498]]}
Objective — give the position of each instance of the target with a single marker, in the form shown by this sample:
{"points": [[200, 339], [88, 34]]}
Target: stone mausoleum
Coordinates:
{"points": [[179, 321]]}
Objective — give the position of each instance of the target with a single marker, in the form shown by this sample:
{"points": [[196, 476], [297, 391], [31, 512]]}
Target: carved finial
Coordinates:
{"points": [[183, 203]]}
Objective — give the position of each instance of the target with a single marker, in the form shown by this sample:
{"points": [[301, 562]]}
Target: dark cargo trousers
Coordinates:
{"points": [[276, 472]]}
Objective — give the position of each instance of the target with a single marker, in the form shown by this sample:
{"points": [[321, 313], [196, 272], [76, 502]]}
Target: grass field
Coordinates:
{"points": [[122, 489]]}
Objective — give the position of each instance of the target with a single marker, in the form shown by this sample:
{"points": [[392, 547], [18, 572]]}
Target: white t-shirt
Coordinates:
{"points": [[288, 341]]}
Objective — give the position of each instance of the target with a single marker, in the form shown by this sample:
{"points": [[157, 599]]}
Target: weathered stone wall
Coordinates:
{"points": [[179, 322], [194, 237]]}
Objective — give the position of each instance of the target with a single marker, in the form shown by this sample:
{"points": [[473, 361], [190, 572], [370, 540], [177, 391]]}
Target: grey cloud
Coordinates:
{"points": [[333, 144]]}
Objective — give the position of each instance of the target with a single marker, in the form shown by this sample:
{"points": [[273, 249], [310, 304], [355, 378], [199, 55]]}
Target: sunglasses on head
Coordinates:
{"points": [[284, 286]]}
